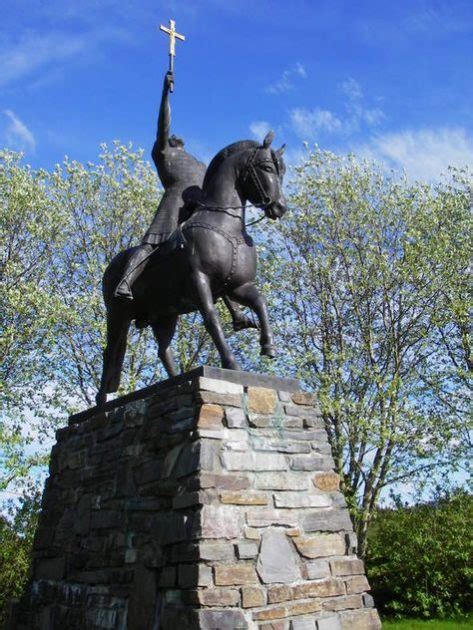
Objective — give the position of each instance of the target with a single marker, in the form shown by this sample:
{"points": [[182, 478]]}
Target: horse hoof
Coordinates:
{"points": [[268, 350], [100, 399], [230, 365], [243, 323]]}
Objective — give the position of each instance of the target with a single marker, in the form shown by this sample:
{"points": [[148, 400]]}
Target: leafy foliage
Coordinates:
{"points": [[420, 558], [16, 540], [58, 231], [29, 224]]}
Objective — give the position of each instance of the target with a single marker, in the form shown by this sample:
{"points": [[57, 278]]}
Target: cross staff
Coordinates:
{"points": [[173, 35]]}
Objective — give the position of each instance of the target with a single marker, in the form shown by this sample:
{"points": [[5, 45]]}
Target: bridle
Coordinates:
{"points": [[251, 173]]}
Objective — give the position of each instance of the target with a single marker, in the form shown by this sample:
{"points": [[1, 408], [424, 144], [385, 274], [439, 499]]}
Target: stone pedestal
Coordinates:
{"points": [[208, 501]]}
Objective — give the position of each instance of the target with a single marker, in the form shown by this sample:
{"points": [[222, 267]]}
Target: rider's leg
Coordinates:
{"points": [[239, 319], [248, 295], [134, 266]]}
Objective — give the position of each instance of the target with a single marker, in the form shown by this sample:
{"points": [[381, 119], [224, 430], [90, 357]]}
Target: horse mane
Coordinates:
{"points": [[225, 153]]}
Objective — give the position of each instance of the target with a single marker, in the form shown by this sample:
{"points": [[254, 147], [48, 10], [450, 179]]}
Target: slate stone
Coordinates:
{"points": [[280, 481], [253, 596], [301, 500], [357, 584], [262, 400], [303, 623], [222, 619], [264, 517], [220, 387], [190, 575], [219, 521], [329, 623], [347, 566], [236, 418], [327, 481], [277, 560], [284, 396], [220, 551], [51, 568], [312, 462], [246, 550], [253, 461], [318, 569], [218, 596], [281, 446], [366, 619], [320, 545], [304, 398], [330, 520]]}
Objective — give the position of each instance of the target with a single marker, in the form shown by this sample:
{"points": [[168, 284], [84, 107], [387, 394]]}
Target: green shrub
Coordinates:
{"points": [[419, 558], [16, 540]]}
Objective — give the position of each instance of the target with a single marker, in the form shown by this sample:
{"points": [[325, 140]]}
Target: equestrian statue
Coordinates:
{"points": [[196, 250]]}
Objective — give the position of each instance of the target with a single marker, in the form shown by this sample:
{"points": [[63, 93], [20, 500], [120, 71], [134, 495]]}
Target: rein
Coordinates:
{"points": [[265, 200], [225, 210]]}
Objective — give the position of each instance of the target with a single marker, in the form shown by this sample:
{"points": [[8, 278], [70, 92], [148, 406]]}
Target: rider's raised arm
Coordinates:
{"points": [[164, 118]]}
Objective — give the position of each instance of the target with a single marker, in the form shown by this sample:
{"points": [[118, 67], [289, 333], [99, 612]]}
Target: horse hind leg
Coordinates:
{"points": [[164, 332], [117, 330]]}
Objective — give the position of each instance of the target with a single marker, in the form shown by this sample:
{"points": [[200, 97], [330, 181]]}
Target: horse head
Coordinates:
{"points": [[262, 178]]}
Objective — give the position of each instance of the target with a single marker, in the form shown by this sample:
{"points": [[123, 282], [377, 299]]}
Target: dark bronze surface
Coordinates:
{"points": [[183, 268]]}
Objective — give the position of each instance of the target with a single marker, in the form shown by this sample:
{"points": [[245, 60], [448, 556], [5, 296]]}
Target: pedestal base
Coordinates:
{"points": [[206, 502]]}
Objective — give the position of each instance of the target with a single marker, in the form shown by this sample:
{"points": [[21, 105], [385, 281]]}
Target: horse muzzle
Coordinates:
{"points": [[276, 209]]}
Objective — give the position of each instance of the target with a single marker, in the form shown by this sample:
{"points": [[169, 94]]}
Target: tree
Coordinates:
{"points": [[362, 291], [58, 231], [30, 226]]}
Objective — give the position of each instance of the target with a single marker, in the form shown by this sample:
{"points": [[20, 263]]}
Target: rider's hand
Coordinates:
{"points": [[169, 80]]}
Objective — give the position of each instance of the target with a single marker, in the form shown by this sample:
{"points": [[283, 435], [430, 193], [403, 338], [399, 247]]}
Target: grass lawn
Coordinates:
{"points": [[436, 624]]}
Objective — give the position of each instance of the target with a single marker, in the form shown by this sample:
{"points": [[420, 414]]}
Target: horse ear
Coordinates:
{"points": [[281, 150], [269, 137]]}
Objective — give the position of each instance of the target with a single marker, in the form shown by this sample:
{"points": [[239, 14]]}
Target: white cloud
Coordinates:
{"points": [[352, 89], [33, 52], [373, 116], [307, 123], [259, 128], [424, 153], [16, 134], [286, 82]]}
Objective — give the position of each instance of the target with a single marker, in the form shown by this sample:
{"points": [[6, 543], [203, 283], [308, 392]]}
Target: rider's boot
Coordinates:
{"points": [[133, 269]]}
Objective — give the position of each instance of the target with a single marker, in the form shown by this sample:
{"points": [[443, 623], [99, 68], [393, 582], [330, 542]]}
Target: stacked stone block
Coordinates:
{"points": [[207, 504]]}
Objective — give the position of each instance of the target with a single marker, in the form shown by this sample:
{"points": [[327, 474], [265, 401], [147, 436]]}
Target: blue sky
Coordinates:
{"points": [[391, 80]]}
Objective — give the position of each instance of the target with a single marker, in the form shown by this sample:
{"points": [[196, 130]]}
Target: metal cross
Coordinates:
{"points": [[173, 35]]}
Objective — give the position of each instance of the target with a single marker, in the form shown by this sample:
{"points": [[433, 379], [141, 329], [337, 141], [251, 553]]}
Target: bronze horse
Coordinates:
{"points": [[211, 256]]}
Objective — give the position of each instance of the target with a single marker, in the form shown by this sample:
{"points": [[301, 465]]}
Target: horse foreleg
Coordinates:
{"points": [[163, 333], [239, 320], [248, 295], [211, 319], [113, 355]]}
